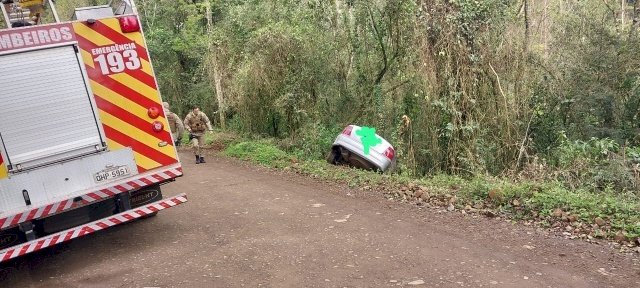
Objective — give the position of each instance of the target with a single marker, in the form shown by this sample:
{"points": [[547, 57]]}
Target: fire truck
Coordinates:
{"points": [[84, 142]]}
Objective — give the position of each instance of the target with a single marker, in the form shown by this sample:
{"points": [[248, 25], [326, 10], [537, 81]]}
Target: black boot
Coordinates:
{"points": [[202, 160], [197, 159]]}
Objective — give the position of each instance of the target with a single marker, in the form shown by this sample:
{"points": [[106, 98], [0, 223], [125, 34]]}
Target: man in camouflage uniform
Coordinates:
{"points": [[175, 124], [197, 123]]}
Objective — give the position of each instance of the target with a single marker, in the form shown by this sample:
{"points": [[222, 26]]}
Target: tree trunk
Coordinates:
{"points": [[622, 12], [635, 20], [217, 77], [219, 95]]}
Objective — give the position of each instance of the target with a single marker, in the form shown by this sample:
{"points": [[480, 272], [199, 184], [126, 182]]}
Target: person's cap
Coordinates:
{"points": [[165, 105]]}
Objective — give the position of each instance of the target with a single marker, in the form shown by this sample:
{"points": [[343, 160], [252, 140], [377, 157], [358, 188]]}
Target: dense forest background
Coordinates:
{"points": [[529, 88]]}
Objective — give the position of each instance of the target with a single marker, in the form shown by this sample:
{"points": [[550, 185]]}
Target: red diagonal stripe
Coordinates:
{"points": [[39, 245], [61, 206], [68, 236], [146, 181], [123, 90], [145, 78], [54, 240], [108, 192], [138, 146], [24, 249], [134, 185], [88, 230], [47, 210], [16, 219], [32, 214], [116, 37], [7, 255], [132, 119]]}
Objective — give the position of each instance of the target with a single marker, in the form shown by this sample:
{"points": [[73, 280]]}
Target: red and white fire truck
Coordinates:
{"points": [[84, 143]]}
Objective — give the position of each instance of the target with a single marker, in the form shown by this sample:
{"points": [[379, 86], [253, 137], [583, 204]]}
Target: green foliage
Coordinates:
{"points": [[590, 82], [258, 151], [174, 32], [623, 211], [593, 150], [488, 85], [595, 165], [314, 142]]}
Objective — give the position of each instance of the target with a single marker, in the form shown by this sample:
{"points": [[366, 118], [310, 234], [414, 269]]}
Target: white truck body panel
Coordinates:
{"points": [[47, 114], [65, 180]]}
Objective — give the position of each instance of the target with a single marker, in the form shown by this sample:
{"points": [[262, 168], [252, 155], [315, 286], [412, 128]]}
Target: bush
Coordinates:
{"points": [[595, 165], [315, 141], [262, 152]]}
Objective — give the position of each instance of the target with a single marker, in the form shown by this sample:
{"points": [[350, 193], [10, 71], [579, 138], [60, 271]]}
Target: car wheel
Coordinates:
{"points": [[356, 160], [332, 156]]}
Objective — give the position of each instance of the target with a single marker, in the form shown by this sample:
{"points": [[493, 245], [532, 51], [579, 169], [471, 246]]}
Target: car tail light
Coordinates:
{"points": [[153, 112], [129, 24], [390, 153], [157, 126], [347, 131]]}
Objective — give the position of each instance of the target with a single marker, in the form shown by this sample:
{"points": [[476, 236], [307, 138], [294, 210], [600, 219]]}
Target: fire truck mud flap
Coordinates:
{"points": [[144, 196], [89, 228], [11, 237]]}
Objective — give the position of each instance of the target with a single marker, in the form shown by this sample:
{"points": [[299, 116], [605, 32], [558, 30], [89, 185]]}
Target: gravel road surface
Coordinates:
{"points": [[246, 226]]}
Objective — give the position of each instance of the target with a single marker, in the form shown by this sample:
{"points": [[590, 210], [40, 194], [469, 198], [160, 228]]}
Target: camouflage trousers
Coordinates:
{"points": [[176, 138], [197, 140]]}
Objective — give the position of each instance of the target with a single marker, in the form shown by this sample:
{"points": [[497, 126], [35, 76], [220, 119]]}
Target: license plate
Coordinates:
{"points": [[111, 173]]}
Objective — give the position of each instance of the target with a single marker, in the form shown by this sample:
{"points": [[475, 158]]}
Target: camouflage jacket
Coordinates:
{"points": [[175, 124], [197, 123]]}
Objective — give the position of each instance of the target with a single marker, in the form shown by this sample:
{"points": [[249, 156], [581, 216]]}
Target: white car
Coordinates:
{"points": [[349, 148]]}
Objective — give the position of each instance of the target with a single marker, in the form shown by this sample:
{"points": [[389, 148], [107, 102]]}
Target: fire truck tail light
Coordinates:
{"points": [[129, 24], [153, 112], [158, 126]]}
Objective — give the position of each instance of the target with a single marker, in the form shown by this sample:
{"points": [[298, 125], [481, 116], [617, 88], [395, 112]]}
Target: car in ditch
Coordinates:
{"points": [[361, 147]]}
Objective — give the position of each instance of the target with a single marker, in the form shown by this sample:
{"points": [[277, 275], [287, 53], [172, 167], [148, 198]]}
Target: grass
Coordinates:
{"points": [[522, 200], [261, 152]]}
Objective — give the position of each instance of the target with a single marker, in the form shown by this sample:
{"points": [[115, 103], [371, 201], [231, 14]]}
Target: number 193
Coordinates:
{"points": [[117, 62]]}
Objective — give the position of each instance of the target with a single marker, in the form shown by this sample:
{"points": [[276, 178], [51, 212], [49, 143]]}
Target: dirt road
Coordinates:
{"points": [[251, 227]]}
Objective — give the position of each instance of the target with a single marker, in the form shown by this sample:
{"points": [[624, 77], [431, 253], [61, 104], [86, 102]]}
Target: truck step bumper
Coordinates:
{"points": [[9, 219], [86, 229]]}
